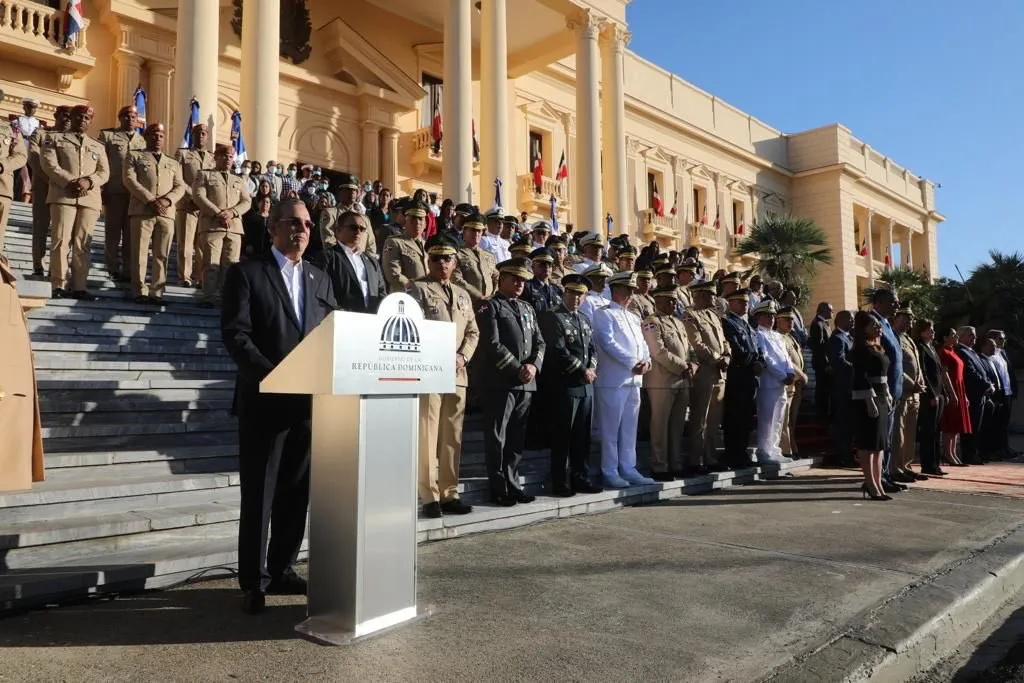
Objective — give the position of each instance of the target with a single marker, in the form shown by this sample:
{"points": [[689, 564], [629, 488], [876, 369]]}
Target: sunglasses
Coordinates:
{"points": [[296, 222], [355, 226], [436, 257]]}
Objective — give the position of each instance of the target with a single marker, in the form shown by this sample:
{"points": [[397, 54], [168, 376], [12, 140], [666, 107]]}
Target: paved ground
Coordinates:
{"points": [[723, 586]]}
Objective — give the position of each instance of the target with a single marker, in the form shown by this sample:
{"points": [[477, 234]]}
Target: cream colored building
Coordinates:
{"points": [[530, 77]]}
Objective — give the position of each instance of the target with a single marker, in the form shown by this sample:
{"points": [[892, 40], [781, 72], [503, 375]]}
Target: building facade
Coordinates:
{"points": [[354, 85]]}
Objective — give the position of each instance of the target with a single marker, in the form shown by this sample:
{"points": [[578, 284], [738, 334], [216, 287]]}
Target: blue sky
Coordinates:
{"points": [[936, 86]]}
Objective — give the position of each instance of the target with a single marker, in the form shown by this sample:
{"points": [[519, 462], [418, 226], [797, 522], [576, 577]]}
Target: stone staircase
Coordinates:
{"points": [[141, 485]]}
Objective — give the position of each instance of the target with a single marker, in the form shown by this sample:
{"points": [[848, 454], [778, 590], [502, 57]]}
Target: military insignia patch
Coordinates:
{"points": [[650, 325]]}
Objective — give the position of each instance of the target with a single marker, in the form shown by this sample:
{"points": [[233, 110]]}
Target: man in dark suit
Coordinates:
{"points": [[883, 307], [932, 400], [979, 391], [270, 304], [840, 365], [741, 380], [356, 278], [1009, 383], [819, 334]]}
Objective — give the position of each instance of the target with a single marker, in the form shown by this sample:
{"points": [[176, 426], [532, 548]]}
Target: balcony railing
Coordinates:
{"points": [[540, 202], [665, 229], [33, 32], [424, 159], [706, 236]]}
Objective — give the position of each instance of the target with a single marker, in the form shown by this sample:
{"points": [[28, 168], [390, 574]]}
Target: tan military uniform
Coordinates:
{"points": [[12, 157], [40, 188], [704, 331], [794, 397], [685, 297], [186, 218], [904, 433], [476, 270], [148, 180], [442, 415], [330, 215], [67, 158], [642, 305], [213, 192], [558, 271], [668, 389], [117, 237], [404, 261]]}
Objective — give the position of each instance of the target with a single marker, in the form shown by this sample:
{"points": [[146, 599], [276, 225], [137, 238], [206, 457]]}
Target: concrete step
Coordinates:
{"points": [[122, 366], [114, 446], [138, 429], [91, 404], [96, 312], [58, 380], [149, 417], [97, 463], [100, 333], [119, 346]]}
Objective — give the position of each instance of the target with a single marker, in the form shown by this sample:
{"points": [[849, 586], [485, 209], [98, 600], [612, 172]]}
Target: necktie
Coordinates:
{"points": [[80, 137], [225, 174], [448, 293]]}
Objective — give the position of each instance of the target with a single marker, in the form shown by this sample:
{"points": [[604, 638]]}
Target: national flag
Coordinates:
{"points": [[675, 205], [193, 120], [237, 141], [888, 261], [718, 219], [140, 107], [659, 208], [609, 224], [563, 170], [864, 248], [476, 145], [497, 192], [554, 214], [741, 228], [436, 130], [538, 174], [73, 22], [704, 217]]}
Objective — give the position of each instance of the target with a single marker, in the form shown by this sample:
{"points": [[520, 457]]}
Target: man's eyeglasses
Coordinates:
{"points": [[295, 223], [355, 226], [437, 257]]}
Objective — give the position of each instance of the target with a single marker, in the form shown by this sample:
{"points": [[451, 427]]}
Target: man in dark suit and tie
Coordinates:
{"points": [[979, 390], [270, 304], [883, 307], [356, 278], [819, 334], [840, 366]]}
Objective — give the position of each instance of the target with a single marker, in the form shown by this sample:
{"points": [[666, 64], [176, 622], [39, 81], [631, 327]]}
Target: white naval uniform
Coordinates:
{"points": [[771, 394], [584, 264], [620, 346], [593, 301], [498, 247]]}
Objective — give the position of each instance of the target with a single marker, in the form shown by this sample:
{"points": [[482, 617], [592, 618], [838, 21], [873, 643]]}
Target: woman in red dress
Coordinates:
{"points": [[956, 418]]}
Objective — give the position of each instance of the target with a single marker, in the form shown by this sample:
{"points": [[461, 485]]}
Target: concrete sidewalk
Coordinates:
{"points": [[761, 580]]}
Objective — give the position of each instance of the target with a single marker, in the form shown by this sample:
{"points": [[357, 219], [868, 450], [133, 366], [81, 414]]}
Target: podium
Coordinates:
{"points": [[365, 374]]}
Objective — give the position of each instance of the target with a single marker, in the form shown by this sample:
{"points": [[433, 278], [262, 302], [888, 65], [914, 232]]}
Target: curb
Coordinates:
{"points": [[920, 625]]}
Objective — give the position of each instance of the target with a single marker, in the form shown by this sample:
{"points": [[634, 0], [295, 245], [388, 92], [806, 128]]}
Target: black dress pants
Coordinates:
{"points": [[970, 443], [928, 435], [738, 416], [570, 441], [822, 392], [505, 418], [273, 469]]}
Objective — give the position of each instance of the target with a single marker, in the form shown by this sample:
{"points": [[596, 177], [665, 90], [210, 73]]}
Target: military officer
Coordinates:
{"points": [[186, 217], [395, 223], [119, 143], [567, 384], [778, 374], [405, 258], [598, 275], [493, 241], [512, 351], [642, 302], [794, 392], [540, 292], [521, 248], [76, 165], [704, 330], [475, 270], [560, 250], [41, 186], [726, 286], [740, 381], [667, 384], [664, 273], [541, 233], [592, 243], [222, 198], [154, 181], [442, 415], [13, 155], [625, 257], [347, 194], [686, 274]]}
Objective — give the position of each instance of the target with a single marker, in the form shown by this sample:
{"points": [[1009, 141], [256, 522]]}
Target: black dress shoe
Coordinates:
{"points": [[38, 274], [253, 602], [934, 473], [455, 507], [903, 478], [918, 477], [288, 583], [662, 476], [141, 299], [585, 487], [58, 294], [523, 497], [83, 295], [432, 510], [504, 500], [562, 491]]}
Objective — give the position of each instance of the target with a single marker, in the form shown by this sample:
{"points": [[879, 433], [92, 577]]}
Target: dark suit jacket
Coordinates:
{"points": [[818, 341], [976, 375], [347, 292], [259, 328], [840, 361], [931, 367]]}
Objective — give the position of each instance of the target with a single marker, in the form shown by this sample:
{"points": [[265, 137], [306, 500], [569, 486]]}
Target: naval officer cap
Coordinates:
{"points": [[626, 278], [541, 226], [519, 267], [442, 244], [510, 220], [348, 181], [785, 312], [739, 294], [592, 239], [494, 213], [577, 284], [542, 254], [733, 278], [464, 209], [598, 270], [474, 221], [766, 307], [667, 292]]}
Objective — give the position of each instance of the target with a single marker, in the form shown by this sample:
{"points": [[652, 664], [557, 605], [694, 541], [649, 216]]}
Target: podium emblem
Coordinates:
{"points": [[400, 333]]}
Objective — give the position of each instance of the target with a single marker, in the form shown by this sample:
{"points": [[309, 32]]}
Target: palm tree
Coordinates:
{"points": [[788, 249], [996, 292], [911, 286]]}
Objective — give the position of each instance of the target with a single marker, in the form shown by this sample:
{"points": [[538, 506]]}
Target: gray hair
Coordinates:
{"points": [[967, 329]]}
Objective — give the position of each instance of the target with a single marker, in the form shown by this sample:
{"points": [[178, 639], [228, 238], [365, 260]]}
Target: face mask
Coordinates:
{"points": [[277, 172], [271, 170], [246, 170], [291, 173], [323, 186]]}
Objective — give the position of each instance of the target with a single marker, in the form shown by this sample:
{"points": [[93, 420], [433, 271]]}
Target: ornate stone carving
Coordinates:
{"points": [[296, 29], [632, 147], [64, 78], [615, 35], [584, 23]]}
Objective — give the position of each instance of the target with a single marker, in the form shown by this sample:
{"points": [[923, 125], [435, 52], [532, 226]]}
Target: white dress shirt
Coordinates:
{"points": [[620, 346], [497, 246], [592, 302], [777, 363], [1003, 371], [27, 125], [360, 268], [583, 265], [292, 274]]}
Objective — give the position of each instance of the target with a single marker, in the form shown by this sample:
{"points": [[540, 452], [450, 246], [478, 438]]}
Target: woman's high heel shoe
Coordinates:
{"points": [[867, 493]]}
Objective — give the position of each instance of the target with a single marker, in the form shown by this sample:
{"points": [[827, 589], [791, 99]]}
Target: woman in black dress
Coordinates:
{"points": [[871, 402]]}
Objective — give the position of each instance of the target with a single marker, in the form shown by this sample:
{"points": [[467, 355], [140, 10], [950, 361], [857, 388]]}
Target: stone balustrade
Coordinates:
{"points": [[36, 22]]}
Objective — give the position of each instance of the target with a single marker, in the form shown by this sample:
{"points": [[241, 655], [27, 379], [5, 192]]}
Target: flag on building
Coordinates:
{"points": [[476, 145], [656, 203], [554, 214], [237, 141], [436, 131], [718, 218], [73, 22], [864, 248], [704, 217], [741, 228], [538, 174], [888, 261], [193, 120], [675, 205], [140, 107], [497, 192], [563, 170], [609, 225]]}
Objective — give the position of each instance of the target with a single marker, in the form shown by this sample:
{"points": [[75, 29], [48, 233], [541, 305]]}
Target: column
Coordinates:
{"points": [[389, 159], [871, 250], [614, 39], [588, 131], [892, 256], [158, 108], [457, 164], [494, 138], [129, 76], [261, 30], [196, 64], [371, 151], [569, 125], [908, 249]]}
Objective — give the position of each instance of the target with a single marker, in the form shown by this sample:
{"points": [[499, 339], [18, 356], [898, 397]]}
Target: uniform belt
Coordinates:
{"points": [[878, 380]]}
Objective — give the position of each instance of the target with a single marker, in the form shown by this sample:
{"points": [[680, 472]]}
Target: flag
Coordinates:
{"points": [[563, 170], [476, 145], [675, 205], [538, 174], [73, 22], [718, 220], [436, 131], [864, 248], [740, 229], [193, 119], [704, 217], [237, 141], [609, 224], [659, 208], [497, 192], [140, 107], [554, 214], [888, 261]]}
